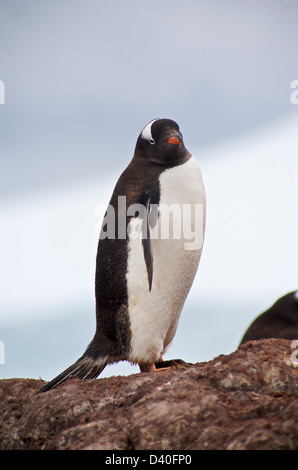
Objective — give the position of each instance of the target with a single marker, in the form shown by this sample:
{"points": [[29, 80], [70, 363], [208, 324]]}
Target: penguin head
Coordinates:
{"points": [[161, 142]]}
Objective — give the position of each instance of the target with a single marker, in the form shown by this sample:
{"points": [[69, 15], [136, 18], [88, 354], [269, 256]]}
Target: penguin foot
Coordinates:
{"points": [[171, 363], [162, 365], [147, 367]]}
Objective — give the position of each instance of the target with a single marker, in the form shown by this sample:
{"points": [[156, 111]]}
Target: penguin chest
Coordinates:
{"points": [[176, 242]]}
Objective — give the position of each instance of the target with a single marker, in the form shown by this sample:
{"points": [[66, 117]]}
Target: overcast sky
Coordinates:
{"points": [[82, 78]]}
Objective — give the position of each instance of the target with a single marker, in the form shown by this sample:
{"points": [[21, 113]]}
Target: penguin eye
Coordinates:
{"points": [[152, 141]]}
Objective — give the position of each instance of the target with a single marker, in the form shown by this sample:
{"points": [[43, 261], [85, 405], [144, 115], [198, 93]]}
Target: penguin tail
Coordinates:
{"points": [[84, 368]]}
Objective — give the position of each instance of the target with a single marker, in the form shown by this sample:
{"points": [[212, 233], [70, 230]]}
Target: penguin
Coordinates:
{"points": [[279, 321], [148, 254]]}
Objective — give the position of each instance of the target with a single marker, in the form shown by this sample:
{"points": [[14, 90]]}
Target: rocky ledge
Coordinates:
{"points": [[244, 400]]}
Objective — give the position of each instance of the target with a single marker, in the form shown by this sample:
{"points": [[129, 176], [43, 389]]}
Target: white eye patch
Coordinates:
{"points": [[146, 132]]}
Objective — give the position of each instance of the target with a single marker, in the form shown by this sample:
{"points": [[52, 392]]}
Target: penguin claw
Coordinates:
{"points": [[171, 363], [147, 367]]}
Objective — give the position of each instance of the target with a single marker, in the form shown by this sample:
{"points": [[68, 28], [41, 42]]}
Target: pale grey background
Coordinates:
{"points": [[81, 81]]}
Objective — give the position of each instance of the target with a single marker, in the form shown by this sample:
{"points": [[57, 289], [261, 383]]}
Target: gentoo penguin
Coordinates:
{"points": [[148, 254], [279, 321]]}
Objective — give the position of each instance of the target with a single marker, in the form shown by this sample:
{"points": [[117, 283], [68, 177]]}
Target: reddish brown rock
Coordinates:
{"points": [[245, 400]]}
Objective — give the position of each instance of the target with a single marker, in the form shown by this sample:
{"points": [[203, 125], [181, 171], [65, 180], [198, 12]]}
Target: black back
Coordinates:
{"points": [[279, 321]]}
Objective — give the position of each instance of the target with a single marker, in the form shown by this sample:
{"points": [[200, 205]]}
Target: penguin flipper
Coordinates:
{"points": [[146, 242], [84, 368]]}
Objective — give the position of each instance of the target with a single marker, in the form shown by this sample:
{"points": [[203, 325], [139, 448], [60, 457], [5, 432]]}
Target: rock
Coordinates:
{"points": [[245, 400]]}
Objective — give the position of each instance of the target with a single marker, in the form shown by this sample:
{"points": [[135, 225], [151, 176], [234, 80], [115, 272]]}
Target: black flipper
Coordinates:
{"points": [[146, 242]]}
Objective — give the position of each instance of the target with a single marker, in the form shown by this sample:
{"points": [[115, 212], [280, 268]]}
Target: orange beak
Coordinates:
{"points": [[174, 139]]}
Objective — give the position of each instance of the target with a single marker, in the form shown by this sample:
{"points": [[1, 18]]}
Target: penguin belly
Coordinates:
{"points": [[154, 315]]}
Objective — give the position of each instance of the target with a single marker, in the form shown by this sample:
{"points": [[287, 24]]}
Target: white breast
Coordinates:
{"points": [[154, 314]]}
